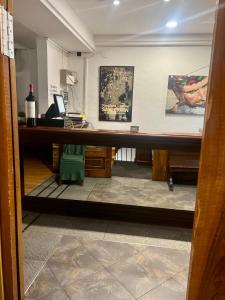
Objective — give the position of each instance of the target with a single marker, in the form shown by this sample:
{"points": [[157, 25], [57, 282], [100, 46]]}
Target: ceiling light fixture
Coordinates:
{"points": [[116, 2], [166, 0], [171, 24]]}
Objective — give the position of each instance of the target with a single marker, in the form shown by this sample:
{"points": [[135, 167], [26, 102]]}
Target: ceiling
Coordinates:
{"points": [[51, 19], [145, 16]]}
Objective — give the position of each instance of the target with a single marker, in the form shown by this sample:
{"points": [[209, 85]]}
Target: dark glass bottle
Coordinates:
{"points": [[30, 105]]}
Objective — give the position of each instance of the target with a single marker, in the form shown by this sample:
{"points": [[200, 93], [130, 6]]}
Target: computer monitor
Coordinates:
{"points": [[59, 103]]}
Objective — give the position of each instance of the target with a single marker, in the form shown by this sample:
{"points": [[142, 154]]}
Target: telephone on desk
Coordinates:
{"points": [[56, 115]]}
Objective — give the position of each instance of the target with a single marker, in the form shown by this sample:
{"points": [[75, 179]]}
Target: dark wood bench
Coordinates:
{"points": [[182, 162]]}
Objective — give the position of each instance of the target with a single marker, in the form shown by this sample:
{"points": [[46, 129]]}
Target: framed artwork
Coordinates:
{"points": [[186, 95], [116, 93]]}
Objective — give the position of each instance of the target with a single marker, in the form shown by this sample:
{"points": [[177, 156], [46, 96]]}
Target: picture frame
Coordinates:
{"points": [[116, 93], [186, 95]]}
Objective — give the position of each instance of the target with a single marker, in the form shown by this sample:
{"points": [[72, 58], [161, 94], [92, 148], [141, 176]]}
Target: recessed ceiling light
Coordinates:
{"points": [[166, 0], [171, 24], [116, 2]]}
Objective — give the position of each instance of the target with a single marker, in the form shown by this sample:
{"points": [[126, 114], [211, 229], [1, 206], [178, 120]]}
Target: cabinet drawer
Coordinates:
{"points": [[94, 163]]}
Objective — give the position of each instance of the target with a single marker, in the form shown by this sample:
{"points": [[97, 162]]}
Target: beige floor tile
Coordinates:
{"points": [[169, 290], [46, 287], [108, 253], [99, 286]]}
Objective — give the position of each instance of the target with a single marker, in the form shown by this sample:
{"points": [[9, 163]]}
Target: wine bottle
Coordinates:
{"points": [[30, 105]]}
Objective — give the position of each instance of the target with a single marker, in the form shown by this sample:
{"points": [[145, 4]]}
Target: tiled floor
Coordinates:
{"points": [[88, 259], [122, 190]]}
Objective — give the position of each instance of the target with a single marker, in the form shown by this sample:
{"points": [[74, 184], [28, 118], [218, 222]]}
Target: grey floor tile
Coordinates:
{"points": [[82, 227], [133, 276], [72, 261], [152, 195], [169, 260], [169, 290], [89, 228], [108, 252], [46, 287], [39, 245], [31, 269], [182, 277], [100, 286], [132, 182], [72, 193], [152, 235], [52, 224], [124, 190], [28, 218], [146, 271]]}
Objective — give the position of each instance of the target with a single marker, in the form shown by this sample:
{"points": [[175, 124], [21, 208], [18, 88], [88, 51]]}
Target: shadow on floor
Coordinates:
{"points": [[131, 169]]}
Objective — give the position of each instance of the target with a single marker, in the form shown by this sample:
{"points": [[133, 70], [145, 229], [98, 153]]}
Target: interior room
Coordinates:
{"points": [[111, 105]]}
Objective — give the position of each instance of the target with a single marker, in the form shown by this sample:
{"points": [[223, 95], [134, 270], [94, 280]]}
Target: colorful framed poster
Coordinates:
{"points": [[116, 93], [186, 95]]}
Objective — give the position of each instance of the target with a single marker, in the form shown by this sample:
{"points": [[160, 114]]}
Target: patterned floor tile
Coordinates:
{"points": [[145, 271], [182, 277], [74, 194], [82, 227], [100, 286], [108, 252], [39, 245], [131, 274], [169, 290], [46, 287], [31, 269], [28, 218], [152, 235], [71, 261], [123, 190], [169, 260]]}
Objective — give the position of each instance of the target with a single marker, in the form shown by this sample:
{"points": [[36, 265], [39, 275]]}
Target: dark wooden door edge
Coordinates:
{"points": [[207, 272], [10, 222]]}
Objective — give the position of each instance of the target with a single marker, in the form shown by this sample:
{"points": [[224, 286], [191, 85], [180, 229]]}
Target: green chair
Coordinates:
{"points": [[71, 166]]}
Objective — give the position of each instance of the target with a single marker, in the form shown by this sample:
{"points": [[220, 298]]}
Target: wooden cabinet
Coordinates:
{"points": [[185, 164], [98, 160], [175, 164]]}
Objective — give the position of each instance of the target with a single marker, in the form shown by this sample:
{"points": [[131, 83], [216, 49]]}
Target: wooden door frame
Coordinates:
{"points": [[10, 198], [207, 268], [2, 296]]}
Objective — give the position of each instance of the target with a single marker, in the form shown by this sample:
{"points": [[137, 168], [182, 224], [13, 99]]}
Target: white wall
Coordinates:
{"points": [[42, 71], [152, 67], [41, 67], [57, 59], [26, 73], [76, 64]]}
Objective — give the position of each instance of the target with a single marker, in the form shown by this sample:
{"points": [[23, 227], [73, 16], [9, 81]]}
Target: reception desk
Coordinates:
{"points": [[108, 138]]}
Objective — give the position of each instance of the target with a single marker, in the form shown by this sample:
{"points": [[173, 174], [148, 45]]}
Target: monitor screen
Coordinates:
{"points": [[58, 99]]}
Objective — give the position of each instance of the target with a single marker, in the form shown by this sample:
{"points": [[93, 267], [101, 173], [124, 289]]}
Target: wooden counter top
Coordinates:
{"points": [[99, 137]]}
